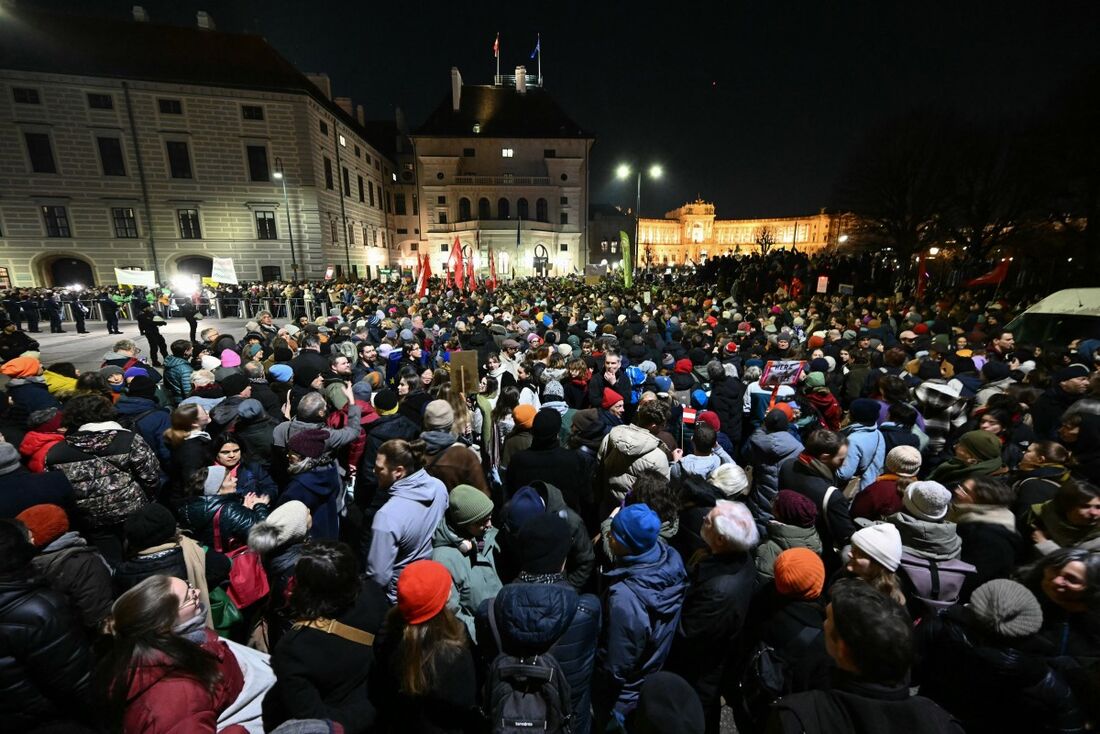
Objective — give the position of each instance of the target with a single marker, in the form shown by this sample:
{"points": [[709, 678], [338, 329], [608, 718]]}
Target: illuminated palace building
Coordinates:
{"points": [[691, 234]]}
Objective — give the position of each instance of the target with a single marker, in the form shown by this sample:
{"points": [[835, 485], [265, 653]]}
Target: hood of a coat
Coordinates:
{"points": [[531, 617], [938, 541], [420, 486], [632, 440], [775, 446], [148, 673], [438, 441], [131, 405], [93, 441], [656, 577], [34, 441]]}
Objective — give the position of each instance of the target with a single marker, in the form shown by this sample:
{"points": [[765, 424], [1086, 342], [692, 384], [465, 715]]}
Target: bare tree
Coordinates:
{"points": [[764, 237]]}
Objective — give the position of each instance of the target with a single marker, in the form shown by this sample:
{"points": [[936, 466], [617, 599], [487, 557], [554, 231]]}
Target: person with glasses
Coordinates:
{"points": [[166, 671]]}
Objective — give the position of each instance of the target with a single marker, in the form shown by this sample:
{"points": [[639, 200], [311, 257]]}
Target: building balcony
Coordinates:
{"points": [[502, 225], [502, 180]]}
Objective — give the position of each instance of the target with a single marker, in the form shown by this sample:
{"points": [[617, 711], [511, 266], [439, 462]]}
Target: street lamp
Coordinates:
{"points": [[622, 172], [278, 175]]}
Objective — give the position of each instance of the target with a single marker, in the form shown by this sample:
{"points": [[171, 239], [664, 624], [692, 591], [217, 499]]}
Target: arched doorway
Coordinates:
{"points": [[63, 271], [541, 261], [199, 265]]}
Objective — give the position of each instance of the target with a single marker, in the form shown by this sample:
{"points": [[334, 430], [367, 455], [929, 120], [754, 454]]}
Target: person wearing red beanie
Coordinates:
{"points": [[429, 677]]}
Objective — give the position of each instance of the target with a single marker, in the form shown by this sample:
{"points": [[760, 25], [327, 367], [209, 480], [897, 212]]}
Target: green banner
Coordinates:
{"points": [[628, 259]]}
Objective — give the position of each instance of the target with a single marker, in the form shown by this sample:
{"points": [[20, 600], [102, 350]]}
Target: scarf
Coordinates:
{"points": [[1060, 531], [956, 470], [817, 467], [194, 629], [989, 514]]}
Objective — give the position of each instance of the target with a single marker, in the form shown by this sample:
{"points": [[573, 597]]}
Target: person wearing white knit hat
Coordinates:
{"points": [[875, 558], [927, 500]]}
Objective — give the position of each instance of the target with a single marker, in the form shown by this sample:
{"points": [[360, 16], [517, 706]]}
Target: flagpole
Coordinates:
{"points": [[497, 49], [538, 45]]}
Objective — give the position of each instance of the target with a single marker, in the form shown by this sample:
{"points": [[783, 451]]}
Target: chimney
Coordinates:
{"points": [[322, 82], [456, 88], [361, 115], [139, 14], [344, 103], [204, 21], [521, 79]]}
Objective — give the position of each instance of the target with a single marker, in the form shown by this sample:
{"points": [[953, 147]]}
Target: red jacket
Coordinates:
{"points": [[827, 407], [34, 447], [164, 703], [878, 500]]}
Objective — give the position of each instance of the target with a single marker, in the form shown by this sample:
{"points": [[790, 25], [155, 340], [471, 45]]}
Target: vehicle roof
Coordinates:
{"points": [[1082, 301]]}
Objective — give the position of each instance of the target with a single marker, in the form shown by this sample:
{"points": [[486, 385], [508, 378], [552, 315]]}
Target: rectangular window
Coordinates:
{"points": [[270, 273], [189, 224], [564, 248], [110, 156], [414, 247], [366, 240], [442, 217], [564, 201], [252, 112], [125, 222], [170, 106], [377, 165], [328, 173], [57, 221], [25, 95], [257, 163], [351, 234], [370, 190], [179, 161], [358, 153], [366, 157], [339, 271], [100, 101], [389, 203], [40, 152], [468, 152], [416, 205], [399, 204], [362, 196], [343, 142], [565, 217], [402, 230], [332, 230], [444, 248], [507, 153], [324, 127], [265, 226], [441, 200], [549, 153], [347, 182]]}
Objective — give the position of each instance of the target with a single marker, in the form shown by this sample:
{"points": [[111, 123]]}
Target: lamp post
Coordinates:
{"points": [[286, 203], [622, 172]]}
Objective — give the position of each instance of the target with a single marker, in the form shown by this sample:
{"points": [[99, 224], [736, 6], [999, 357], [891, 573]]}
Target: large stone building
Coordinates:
{"points": [[692, 233], [138, 145], [501, 167]]}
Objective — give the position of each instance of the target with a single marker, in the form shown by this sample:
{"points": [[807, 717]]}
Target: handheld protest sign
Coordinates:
{"points": [[464, 376], [782, 372]]}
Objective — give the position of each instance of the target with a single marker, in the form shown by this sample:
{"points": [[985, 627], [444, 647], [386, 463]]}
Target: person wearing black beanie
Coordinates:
{"points": [[667, 705]]}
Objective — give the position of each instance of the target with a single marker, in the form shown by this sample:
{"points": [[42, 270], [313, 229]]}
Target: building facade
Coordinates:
{"points": [[692, 233], [156, 147], [501, 167]]}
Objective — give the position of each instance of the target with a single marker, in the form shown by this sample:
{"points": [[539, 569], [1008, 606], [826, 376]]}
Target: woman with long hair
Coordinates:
{"points": [[1041, 471], [191, 447], [251, 476], [875, 558], [166, 671], [502, 422], [425, 657], [1070, 520]]}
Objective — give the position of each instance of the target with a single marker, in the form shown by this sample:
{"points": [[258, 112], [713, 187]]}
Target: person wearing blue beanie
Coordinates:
{"points": [[644, 596]]}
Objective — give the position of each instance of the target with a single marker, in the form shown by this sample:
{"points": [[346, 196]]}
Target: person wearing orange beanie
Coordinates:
{"points": [[799, 574], [521, 437]]}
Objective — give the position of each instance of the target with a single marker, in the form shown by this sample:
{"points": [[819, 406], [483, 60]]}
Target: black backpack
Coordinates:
{"points": [[526, 694], [131, 420], [766, 678]]}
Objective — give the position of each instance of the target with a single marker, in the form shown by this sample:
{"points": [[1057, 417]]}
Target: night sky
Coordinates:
{"points": [[751, 105]]}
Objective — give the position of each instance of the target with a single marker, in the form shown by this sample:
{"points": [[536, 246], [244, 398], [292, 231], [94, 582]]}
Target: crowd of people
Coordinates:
{"points": [[557, 506]]}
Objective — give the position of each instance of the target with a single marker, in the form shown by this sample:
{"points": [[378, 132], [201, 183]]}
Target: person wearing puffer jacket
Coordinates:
{"points": [[235, 515], [770, 446], [279, 540], [624, 454], [466, 544], [540, 612], [43, 431], [866, 446], [537, 499]]}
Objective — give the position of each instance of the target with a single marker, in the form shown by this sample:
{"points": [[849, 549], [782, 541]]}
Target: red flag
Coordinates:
{"points": [[496, 47], [455, 262], [425, 274], [922, 273], [994, 276], [492, 281], [471, 275]]}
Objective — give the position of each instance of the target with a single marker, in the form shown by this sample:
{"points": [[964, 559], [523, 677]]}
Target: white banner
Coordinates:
{"points": [[146, 278], [223, 271]]}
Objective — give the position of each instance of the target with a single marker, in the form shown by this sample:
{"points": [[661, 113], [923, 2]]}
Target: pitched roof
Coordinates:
{"points": [[38, 41], [501, 112]]}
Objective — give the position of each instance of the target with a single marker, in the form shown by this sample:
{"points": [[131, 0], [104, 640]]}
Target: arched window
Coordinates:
{"points": [[522, 210], [464, 210], [483, 211], [542, 212], [503, 208]]}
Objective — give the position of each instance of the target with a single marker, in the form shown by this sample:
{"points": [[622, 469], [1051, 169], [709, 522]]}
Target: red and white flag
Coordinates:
{"points": [[455, 265], [425, 274], [492, 281], [689, 416], [496, 47]]}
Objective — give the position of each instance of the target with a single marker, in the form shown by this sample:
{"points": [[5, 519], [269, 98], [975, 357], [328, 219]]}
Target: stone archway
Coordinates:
{"points": [[61, 270], [199, 265]]}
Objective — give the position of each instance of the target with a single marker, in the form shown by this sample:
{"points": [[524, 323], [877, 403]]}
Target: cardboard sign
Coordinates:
{"points": [[464, 376], [329, 270], [782, 372], [647, 298], [823, 283], [846, 289]]}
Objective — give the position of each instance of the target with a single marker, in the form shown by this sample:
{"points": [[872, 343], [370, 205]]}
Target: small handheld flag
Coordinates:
{"points": [[689, 416]]}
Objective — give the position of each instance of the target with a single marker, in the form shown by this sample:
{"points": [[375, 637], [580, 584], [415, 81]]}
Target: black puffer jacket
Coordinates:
{"points": [[534, 618], [77, 570], [991, 684], [196, 515], [727, 399], [45, 661], [164, 562]]}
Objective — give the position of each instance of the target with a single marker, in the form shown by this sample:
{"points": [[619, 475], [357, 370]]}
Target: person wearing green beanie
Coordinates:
{"points": [[977, 454], [466, 544]]}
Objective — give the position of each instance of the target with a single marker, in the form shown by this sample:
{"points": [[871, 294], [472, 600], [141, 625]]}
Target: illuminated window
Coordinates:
{"points": [[507, 153]]}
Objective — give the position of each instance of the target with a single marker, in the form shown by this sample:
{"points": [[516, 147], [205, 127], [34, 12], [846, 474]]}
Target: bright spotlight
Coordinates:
{"points": [[656, 171], [622, 171]]}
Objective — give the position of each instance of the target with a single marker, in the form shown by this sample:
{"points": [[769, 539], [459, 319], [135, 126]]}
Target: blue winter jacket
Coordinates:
{"points": [[866, 455], [152, 425], [318, 489], [644, 597], [534, 618]]}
